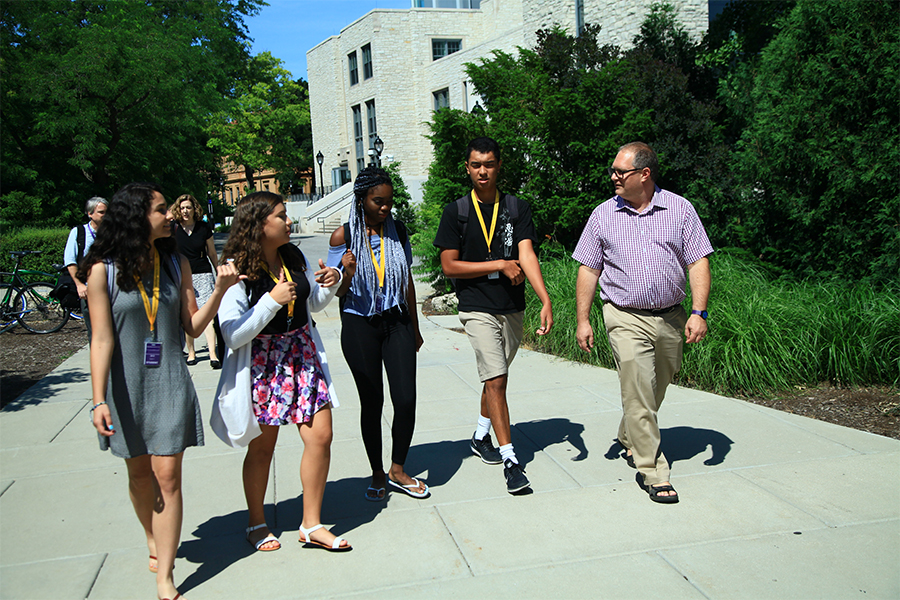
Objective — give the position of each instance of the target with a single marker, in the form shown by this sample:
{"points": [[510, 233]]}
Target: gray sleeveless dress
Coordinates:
{"points": [[154, 409]]}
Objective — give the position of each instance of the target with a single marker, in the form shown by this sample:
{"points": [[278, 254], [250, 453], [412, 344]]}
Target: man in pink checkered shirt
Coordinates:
{"points": [[641, 246]]}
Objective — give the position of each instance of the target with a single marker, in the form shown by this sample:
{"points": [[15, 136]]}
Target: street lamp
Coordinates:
{"points": [[320, 158], [379, 147]]}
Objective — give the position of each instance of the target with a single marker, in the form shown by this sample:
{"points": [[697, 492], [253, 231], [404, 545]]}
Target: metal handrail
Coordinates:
{"points": [[341, 200]]}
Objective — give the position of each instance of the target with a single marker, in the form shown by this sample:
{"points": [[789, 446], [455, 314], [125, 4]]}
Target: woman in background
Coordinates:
{"points": [[145, 408], [195, 241]]}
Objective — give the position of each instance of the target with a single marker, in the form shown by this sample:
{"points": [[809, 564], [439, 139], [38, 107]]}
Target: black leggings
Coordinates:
{"points": [[389, 339]]}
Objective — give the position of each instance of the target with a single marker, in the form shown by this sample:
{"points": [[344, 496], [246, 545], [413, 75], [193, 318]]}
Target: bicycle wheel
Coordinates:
{"points": [[11, 306], [42, 313]]}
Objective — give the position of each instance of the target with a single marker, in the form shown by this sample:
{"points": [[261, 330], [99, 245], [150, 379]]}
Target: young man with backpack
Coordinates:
{"points": [[80, 239], [487, 245]]}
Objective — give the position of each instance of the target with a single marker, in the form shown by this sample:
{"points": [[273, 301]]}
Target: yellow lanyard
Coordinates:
{"points": [[154, 308], [287, 275], [379, 268], [487, 237]]}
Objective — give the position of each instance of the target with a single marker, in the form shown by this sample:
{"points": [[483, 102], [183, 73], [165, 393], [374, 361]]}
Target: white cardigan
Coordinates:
{"points": [[232, 417]]}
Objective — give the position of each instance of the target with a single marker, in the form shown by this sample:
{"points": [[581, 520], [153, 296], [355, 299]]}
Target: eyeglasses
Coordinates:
{"points": [[619, 172]]}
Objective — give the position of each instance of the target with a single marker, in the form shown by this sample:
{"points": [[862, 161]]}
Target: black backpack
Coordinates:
{"points": [[66, 291]]}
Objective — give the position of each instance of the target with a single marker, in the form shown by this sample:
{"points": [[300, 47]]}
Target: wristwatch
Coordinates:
{"points": [[703, 314]]}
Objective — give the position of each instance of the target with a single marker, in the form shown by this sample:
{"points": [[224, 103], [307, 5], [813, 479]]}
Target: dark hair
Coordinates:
{"points": [[369, 178], [124, 236], [244, 243], [483, 145], [644, 157]]}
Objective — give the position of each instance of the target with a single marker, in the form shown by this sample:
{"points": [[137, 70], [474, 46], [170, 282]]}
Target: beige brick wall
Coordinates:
{"points": [[620, 20]]}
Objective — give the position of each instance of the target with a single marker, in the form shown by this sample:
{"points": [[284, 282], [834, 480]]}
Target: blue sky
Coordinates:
{"points": [[288, 28]]}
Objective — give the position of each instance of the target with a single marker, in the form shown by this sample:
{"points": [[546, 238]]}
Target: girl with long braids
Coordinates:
{"points": [[275, 371], [379, 325], [145, 408]]}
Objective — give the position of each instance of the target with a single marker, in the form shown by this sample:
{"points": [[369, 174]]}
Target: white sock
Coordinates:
{"points": [[484, 426], [506, 451]]}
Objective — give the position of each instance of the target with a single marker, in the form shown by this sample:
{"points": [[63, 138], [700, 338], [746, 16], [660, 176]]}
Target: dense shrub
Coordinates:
{"points": [[51, 243], [765, 333]]}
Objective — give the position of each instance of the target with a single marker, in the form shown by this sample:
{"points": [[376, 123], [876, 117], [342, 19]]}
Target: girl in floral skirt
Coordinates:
{"points": [[275, 371]]}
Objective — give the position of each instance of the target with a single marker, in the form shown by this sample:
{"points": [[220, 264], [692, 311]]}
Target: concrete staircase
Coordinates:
{"points": [[324, 215]]}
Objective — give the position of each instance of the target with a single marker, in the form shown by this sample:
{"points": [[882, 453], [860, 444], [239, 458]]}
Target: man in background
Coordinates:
{"points": [[80, 239]]}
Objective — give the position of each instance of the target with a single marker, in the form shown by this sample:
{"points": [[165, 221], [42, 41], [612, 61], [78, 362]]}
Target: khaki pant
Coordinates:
{"points": [[647, 349]]}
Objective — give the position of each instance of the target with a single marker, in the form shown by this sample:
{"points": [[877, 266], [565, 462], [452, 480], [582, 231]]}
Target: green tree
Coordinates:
{"points": [[263, 126], [97, 94], [560, 112], [819, 157]]}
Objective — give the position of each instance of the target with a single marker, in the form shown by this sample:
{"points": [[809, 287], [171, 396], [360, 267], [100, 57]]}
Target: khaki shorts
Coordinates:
{"points": [[495, 339]]}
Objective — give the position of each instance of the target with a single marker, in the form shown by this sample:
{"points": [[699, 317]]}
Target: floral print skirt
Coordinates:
{"points": [[288, 384]]}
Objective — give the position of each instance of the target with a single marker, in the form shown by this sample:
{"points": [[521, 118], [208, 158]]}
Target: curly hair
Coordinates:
{"points": [[244, 243], [198, 209], [124, 236]]}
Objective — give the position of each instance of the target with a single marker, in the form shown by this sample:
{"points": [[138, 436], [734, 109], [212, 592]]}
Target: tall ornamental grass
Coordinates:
{"points": [[765, 334]]}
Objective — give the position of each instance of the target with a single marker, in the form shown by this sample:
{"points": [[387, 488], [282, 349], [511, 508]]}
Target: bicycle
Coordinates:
{"points": [[30, 304]]}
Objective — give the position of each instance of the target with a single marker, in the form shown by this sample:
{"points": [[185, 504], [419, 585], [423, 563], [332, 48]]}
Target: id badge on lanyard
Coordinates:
{"points": [[488, 236], [152, 353], [152, 345], [380, 270]]}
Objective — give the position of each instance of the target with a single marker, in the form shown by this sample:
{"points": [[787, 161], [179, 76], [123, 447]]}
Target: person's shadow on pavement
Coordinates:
{"points": [[547, 432], [684, 443], [222, 540]]}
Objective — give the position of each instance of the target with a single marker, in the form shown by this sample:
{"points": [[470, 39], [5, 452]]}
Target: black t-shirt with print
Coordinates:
{"points": [[481, 294]]}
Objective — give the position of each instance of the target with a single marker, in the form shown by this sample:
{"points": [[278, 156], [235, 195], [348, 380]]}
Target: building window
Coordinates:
{"points": [[358, 135], [373, 128], [442, 99], [441, 48], [354, 72], [367, 61]]}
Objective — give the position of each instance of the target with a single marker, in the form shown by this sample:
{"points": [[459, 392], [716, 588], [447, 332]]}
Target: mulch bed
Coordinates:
{"points": [[26, 357]]}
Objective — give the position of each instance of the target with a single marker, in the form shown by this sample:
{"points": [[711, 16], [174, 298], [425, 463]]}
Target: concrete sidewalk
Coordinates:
{"points": [[772, 505]]}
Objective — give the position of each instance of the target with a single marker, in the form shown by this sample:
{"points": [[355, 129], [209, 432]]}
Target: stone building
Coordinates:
{"points": [[386, 72]]}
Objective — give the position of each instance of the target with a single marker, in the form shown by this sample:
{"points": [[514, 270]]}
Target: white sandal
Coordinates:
{"points": [[335, 545], [265, 540]]}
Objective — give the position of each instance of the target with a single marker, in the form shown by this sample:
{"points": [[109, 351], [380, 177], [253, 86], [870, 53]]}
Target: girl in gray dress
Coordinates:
{"points": [[144, 404]]}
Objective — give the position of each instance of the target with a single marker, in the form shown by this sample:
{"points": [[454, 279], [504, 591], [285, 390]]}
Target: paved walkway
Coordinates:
{"points": [[773, 505]]}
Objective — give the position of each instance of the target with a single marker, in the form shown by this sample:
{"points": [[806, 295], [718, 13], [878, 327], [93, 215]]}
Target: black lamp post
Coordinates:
{"points": [[379, 147], [320, 158]]}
